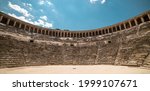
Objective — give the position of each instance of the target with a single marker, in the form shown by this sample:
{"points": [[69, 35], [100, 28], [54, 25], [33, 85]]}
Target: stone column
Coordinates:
{"points": [[142, 19], [135, 22], [8, 22], [48, 32], [119, 26], [116, 28], [124, 25], [87, 34], [24, 27], [70, 34], [44, 32], [60, 34], [1, 17], [130, 24], [76, 35], [33, 29], [148, 16], [29, 29], [56, 34], [37, 30], [109, 30], [20, 25], [83, 34], [14, 24]]}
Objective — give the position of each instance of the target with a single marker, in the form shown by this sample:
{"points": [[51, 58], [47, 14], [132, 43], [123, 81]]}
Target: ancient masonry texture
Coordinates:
{"points": [[126, 43]]}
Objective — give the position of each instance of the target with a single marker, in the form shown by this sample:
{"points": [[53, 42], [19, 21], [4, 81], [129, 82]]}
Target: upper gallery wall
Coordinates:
{"points": [[130, 23]]}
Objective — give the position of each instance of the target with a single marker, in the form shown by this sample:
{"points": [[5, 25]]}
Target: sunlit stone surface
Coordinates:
{"points": [[123, 44]]}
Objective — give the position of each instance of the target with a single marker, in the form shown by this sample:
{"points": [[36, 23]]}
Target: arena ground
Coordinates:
{"points": [[71, 69]]}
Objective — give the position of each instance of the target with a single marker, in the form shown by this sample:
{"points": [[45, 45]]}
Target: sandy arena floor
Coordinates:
{"points": [[96, 69]]}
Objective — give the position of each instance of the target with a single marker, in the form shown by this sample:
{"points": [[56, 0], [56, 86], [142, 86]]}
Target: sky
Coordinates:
{"points": [[74, 15]]}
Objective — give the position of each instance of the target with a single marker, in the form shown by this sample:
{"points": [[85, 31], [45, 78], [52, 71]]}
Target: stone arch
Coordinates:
{"points": [[127, 25], [46, 32], [90, 34], [53, 33], [50, 33], [62, 34], [118, 28], [39, 31], [56, 34], [84, 34], [100, 33], [106, 31], [27, 28], [43, 31], [71, 34], [139, 21], [65, 34], [114, 29], [4, 20], [75, 34], [35, 30], [31, 30], [11, 23], [17, 24], [146, 18], [122, 27], [103, 31], [110, 30], [78, 35], [97, 33], [87, 34], [22, 26], [93, 34], [133, 23]]}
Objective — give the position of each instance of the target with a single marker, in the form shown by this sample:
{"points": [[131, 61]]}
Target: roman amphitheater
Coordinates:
{"points": [[120, 48]]}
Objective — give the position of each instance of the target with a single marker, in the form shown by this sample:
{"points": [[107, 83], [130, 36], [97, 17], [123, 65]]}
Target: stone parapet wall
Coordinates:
{"points": [[128, 24]]}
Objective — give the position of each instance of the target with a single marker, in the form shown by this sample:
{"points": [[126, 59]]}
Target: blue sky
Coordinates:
{"points": [[74, 14]]}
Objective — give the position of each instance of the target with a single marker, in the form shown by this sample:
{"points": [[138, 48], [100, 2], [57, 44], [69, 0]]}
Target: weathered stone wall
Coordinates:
{"points": [[128, 47], [126, 43]]}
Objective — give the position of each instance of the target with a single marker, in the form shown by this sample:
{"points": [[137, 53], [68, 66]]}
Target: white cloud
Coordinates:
{"points": [[23, 18], [43, 23], [103, 1], [50, 5], [43, 18], [38, 22], [19, 9], [44, 2], [48, 25], [28, 5], [95, 1]]}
